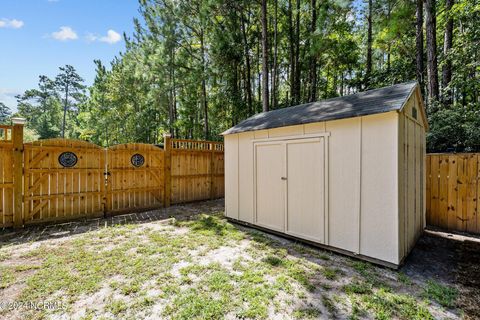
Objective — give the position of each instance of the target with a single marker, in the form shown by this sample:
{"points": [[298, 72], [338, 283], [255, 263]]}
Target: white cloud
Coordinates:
{"points": [[7, 96], [64, 34], [111, 37], [11, 23]]}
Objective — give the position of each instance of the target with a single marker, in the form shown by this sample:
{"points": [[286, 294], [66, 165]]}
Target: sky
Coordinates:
{"points": [[39, 36]]}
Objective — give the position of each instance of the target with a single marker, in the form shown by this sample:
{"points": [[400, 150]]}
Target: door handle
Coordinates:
{"points": [[283, 178]]}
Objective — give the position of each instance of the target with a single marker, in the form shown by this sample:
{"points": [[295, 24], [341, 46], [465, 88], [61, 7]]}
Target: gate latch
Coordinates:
{"points": [[284, 178]]}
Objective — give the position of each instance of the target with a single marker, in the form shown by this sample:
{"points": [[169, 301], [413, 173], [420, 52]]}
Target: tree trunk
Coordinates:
{"points": [[172, 89], [248, 71], [65, 107], [432, 65], [419, 44], [265, 101], [297, 55], [204, 88], [291, 38], [447, 45], [259, 74], [368, 70], [275, 56], [313, 58]]}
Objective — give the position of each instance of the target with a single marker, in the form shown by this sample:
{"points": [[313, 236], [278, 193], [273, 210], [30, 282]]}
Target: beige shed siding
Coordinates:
{"points": [[261, 134], [317, 127], [374, 203], [379, 187], [402, 167], [231, 176], [245, 176], [286, 131], [411, 176], [344, 184]]}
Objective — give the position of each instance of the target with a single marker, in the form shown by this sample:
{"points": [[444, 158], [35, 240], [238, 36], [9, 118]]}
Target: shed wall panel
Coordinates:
{"points": [[285, 131], [418, 182], [379, 187], [344, 184], [410, 179], [231, 176], [317, 127], [245, 176], [402, 167], [260, 134]]}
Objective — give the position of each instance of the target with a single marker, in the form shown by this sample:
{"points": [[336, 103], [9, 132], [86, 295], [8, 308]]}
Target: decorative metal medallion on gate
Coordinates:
{"points": [[67, 159], [137, 160]]}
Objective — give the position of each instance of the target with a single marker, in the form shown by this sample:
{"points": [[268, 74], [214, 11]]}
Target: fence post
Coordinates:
{"points": [[167, 172], [17, 140]]}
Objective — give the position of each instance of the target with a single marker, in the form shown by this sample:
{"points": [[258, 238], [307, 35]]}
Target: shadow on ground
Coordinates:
{"points": [[453, 259], [450, 259], [60, 230]]}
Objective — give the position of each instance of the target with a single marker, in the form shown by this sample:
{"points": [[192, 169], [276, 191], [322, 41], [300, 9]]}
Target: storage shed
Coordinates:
{"points": [[346, 173]]}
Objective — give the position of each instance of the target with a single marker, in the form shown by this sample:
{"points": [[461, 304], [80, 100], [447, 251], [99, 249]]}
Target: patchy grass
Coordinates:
{"points": [[7, 277], [206, 268], [307, 313], [444, 295], [330, 273]]}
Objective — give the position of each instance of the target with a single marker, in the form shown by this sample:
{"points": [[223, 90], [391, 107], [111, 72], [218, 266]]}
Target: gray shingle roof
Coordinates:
{"points": [[360, 104]]}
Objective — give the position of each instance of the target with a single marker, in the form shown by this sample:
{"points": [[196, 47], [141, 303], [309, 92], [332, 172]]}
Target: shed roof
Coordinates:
{"points": [[359, 104]]}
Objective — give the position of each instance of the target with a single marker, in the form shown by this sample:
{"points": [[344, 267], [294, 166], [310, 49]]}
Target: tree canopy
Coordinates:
{"points": [[194, 68]]}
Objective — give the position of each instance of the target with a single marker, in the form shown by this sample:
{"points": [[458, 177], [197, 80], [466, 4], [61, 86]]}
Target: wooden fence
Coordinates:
{"points": [[62, 179], [453, 191]]}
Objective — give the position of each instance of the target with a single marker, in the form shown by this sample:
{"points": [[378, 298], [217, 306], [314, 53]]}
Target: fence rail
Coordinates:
{"points": [[453, 191], [62, 179]]}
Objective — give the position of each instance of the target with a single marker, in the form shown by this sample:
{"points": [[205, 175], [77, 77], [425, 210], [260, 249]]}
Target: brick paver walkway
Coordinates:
{"points": [[49, 231]]}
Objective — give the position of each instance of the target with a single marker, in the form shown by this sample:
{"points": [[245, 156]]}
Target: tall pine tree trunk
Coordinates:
{"points": [[204, 88], [368, 70], [291, 38], [248, 75], [275, 57], [265, 101], [447, 45], [432, 65], [419, 44], [65, 107], [297, 55], [171, 108], [313, 58]]}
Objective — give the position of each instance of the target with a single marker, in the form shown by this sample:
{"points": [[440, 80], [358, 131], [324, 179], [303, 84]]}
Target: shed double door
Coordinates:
{"points": [[290, 187]]}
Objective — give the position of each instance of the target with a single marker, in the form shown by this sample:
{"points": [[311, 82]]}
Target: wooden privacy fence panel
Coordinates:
{"points": [[453, 191], [6, 177], [53, 191], [135, 177], [197, 170], [61, 179]]}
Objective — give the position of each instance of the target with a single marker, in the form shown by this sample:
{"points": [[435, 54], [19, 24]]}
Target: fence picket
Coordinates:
{"points": [[102, 180], [454, 191]]}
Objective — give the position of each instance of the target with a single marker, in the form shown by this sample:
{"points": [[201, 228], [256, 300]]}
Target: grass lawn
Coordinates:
{"points": [[205, 268]]}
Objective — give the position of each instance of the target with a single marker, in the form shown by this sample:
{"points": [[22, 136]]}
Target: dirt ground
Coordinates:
{"points": [[142, 265], [452, 259]]}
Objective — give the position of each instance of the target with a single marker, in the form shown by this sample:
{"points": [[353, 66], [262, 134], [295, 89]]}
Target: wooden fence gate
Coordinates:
{"points": [[134, 177], [62, 179]]}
